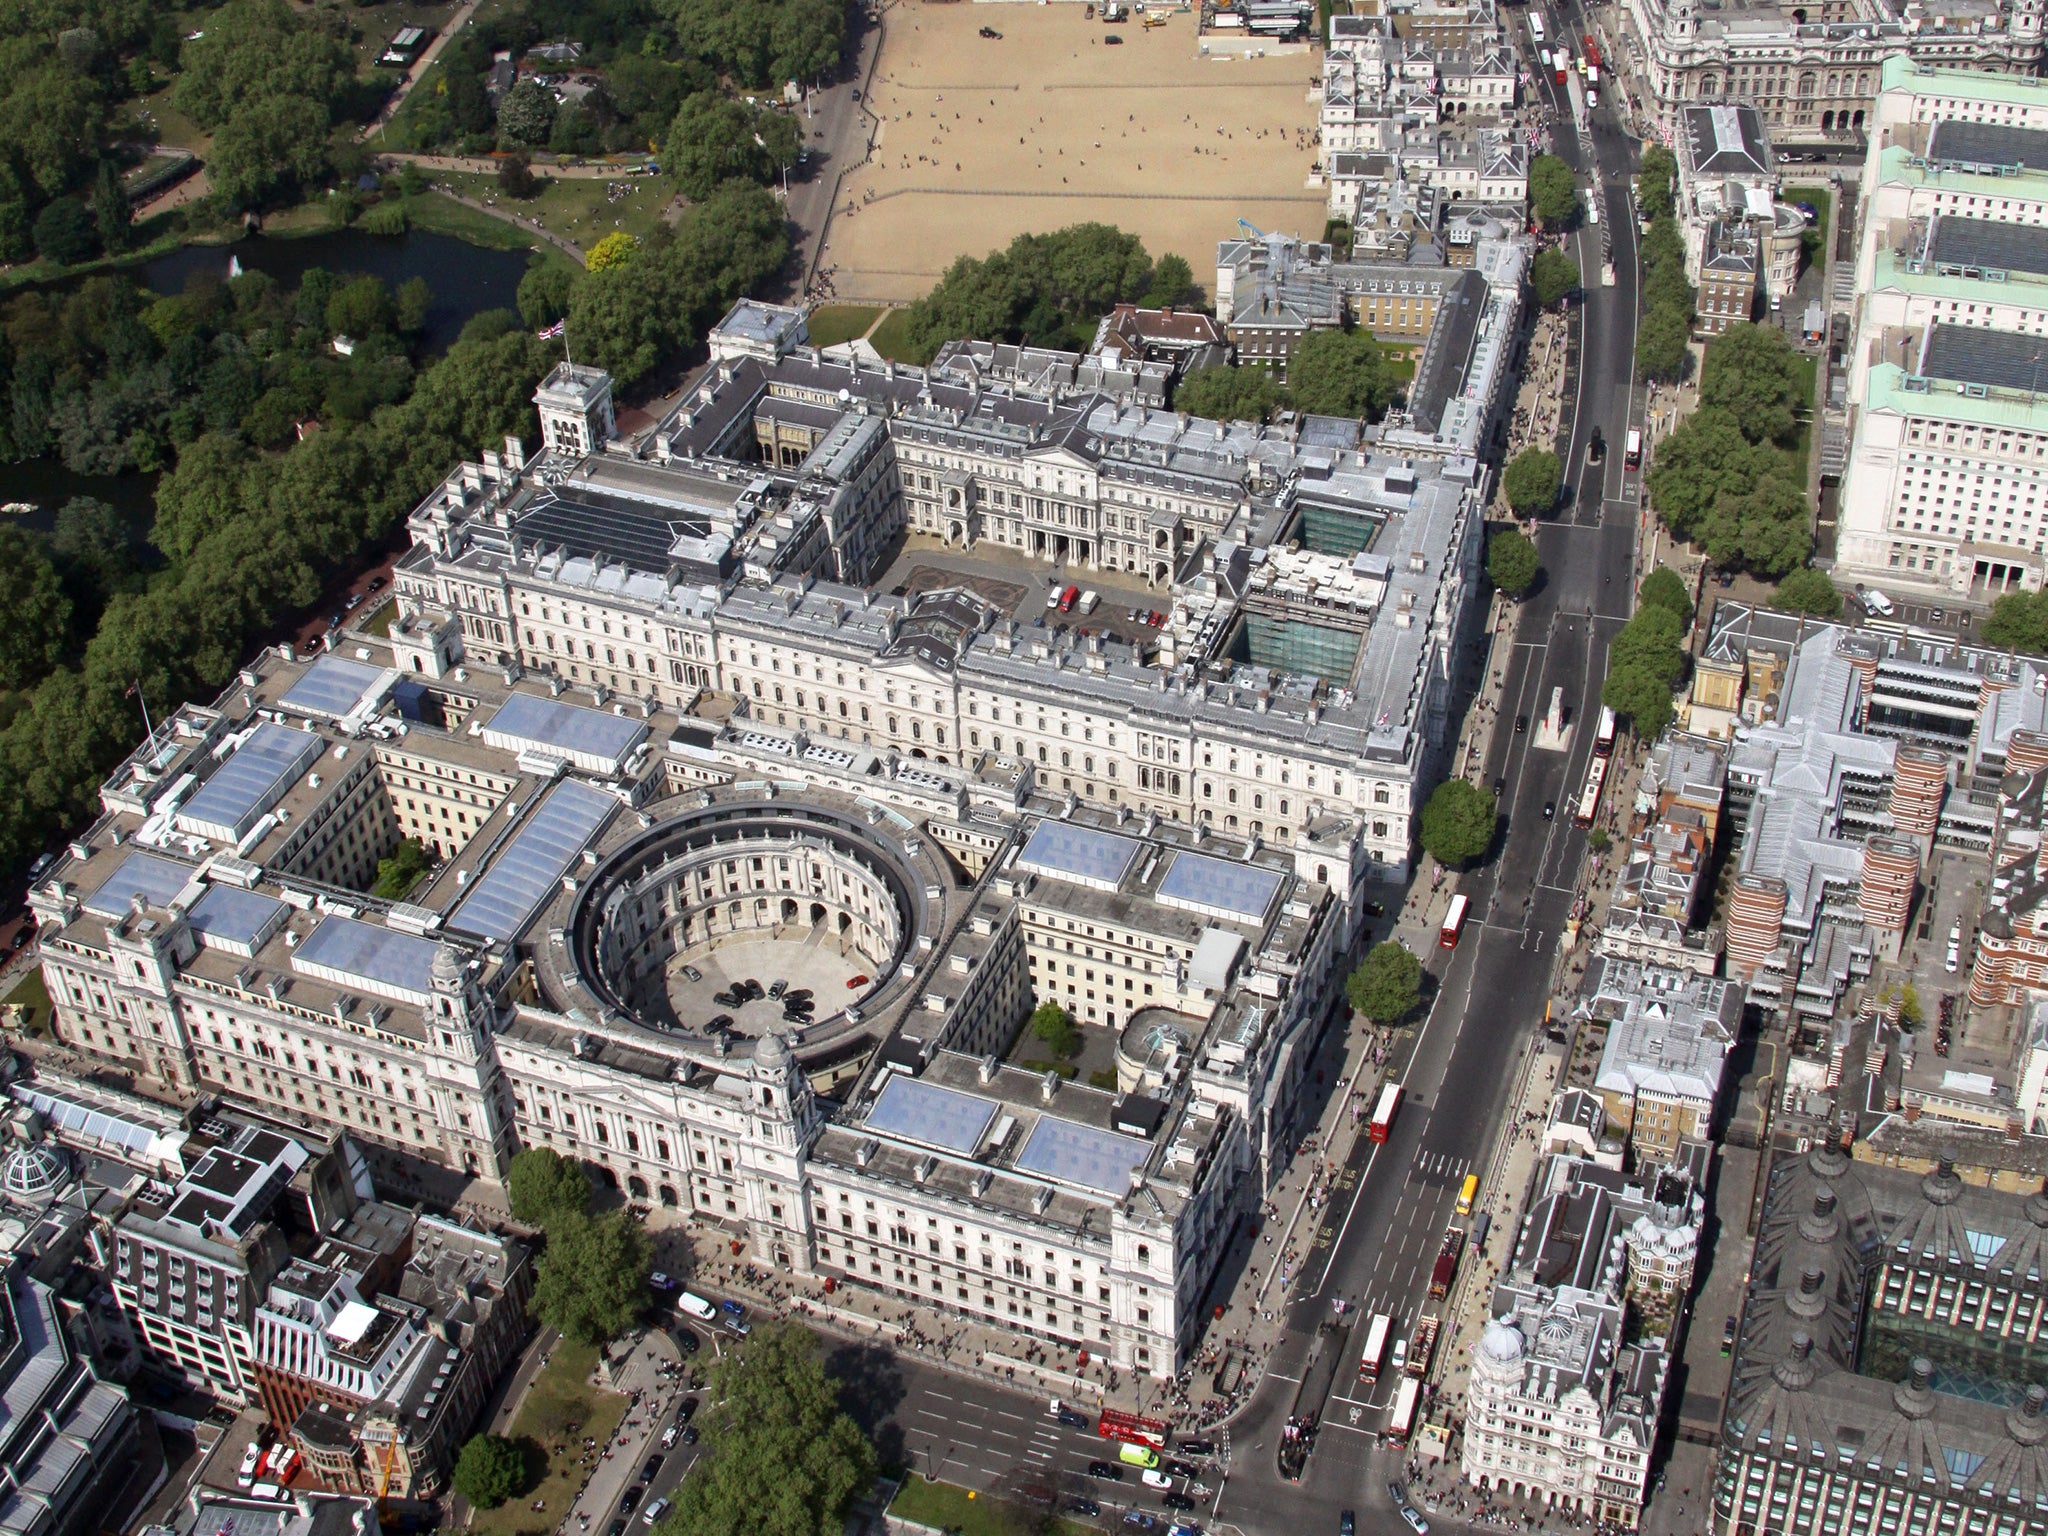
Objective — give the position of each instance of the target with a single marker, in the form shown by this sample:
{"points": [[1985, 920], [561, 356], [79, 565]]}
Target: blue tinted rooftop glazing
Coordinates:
{"points": [[227, 918], [348, 950], [1220, 887], [333, 686], [252, 780], [1082, 854], [1081, 1154], [528, 721], [151, 876], [529, 870], [933, 1116]]}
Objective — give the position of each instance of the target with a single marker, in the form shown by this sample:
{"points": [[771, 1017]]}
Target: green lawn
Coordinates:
{"points": [[578, 208], [443, 216], [954, 1508], [561, 1397], [833, 323], [1822, 199], [1796, 455], [892, 339], [28, 1005]]}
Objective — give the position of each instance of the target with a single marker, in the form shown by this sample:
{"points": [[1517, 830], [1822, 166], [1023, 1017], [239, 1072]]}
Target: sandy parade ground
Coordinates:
{"points": [[979, 140]]}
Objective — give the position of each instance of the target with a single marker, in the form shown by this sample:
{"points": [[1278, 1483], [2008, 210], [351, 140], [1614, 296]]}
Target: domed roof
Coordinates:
{"points": [[33, 1172], [1502, 1342], [771, 1054]]}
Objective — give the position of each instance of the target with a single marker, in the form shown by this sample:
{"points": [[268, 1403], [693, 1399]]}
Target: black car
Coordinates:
{"points": [[1347, 1524], [651, 1470], [616, 1528], [1208, 1447], [1108, 1471], [631, 1501], [1500, 785], [689, 1434], [685, 1409], [686, 1341], [1072, 1416], [1138, 1520], [1083, 1507], [1521, 724], [1728, 1336], [1174, 1467], [728, 999], [1549, 809], [720, 1021], [751, 988], [797, 995], [777, 987], [1179, 1501], [1372, 909]]}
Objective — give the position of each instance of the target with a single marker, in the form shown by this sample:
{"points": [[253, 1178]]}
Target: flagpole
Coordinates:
{"points": [[148, 728]]}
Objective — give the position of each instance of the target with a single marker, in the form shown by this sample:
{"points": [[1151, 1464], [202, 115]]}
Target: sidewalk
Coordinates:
{"points": [[635, 1371]]}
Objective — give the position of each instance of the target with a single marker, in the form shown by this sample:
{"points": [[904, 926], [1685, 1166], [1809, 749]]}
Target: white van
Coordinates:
{"points": [[1875, 602], [1089, 600], [698, 1307]]}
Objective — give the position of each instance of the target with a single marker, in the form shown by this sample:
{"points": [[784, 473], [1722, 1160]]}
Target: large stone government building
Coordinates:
{"points": [[650, 711]]}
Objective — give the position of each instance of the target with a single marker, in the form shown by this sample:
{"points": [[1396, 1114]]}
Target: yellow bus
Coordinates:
{"points": [[1468, 1194]]}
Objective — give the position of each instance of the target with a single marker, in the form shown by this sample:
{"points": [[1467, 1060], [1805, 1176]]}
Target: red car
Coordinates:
{"points": [[857, 981], [1068, 598], [1157, 618]]}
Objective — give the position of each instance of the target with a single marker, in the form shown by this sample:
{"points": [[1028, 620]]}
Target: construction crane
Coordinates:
{"points": [[1251, 229], [384, 1477]]}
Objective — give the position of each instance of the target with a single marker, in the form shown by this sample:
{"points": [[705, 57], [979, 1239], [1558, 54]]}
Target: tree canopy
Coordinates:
{"points": [[715, 138], [780, 1456], [1051, 1023], [1753, 374], [1458, 822], [1655, 181], [1552, 275], [35, 615], [1553, 192], [1663, 352], [591, 1280], [1644, 663], [761, 43], [1341, 373], [1531, 480], [1048, 289], [1808, 591], [1230, 393], [2019, 622], [490, 1470], [1665, 588], [541, 1185], [1511, 561], [1387, 986]]}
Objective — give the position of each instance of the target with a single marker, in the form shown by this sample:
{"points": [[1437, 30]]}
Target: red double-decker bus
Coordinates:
{"points": [[1592, 51], [1131, 1429], [1384, 1112]]}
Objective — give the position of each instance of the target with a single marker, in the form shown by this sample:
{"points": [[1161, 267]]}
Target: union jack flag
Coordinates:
{"points": [[559, 328]]}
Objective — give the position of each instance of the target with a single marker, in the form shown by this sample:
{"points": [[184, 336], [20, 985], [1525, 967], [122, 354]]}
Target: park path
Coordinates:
{"points": [[532, 227], [419, 69]]}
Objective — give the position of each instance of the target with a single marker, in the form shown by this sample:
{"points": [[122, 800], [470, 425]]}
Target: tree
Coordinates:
{"points": [[1531, 480], [1752, 373], [1665, 588], [402, 870], [279, 143], [2019, 622], [1654, 182], [543, 1185], [1553, 191], [35, 615], [89, 538], [1387, 986], [1458, 822], [525, 113], [1172, 284], [1806, 590], [591, 1281], [516, 178], [490, 1470], [1227, 393], [1041, 288], [614, 250], [262, 50], [715, 138], [64, 231], [1652, 640], [1552, 275], [781, 1457], [1511, 561], [1638, 697], [1340, 373], [1050, 1023], [110, 207], [543, 293], [1662, 344], [415, 301]]}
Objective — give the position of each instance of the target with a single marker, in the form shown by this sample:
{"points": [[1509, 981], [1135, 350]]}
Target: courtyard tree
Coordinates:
{"points": [[1458, 822], [1511, 561], [542, 1185], [1050, 1023], [401, 870], [2019, 622], [490, 1470], [1341, 373], [1531, 480], [781, 1457], [1387, 986], [591, 1280], [1229, 392]]}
